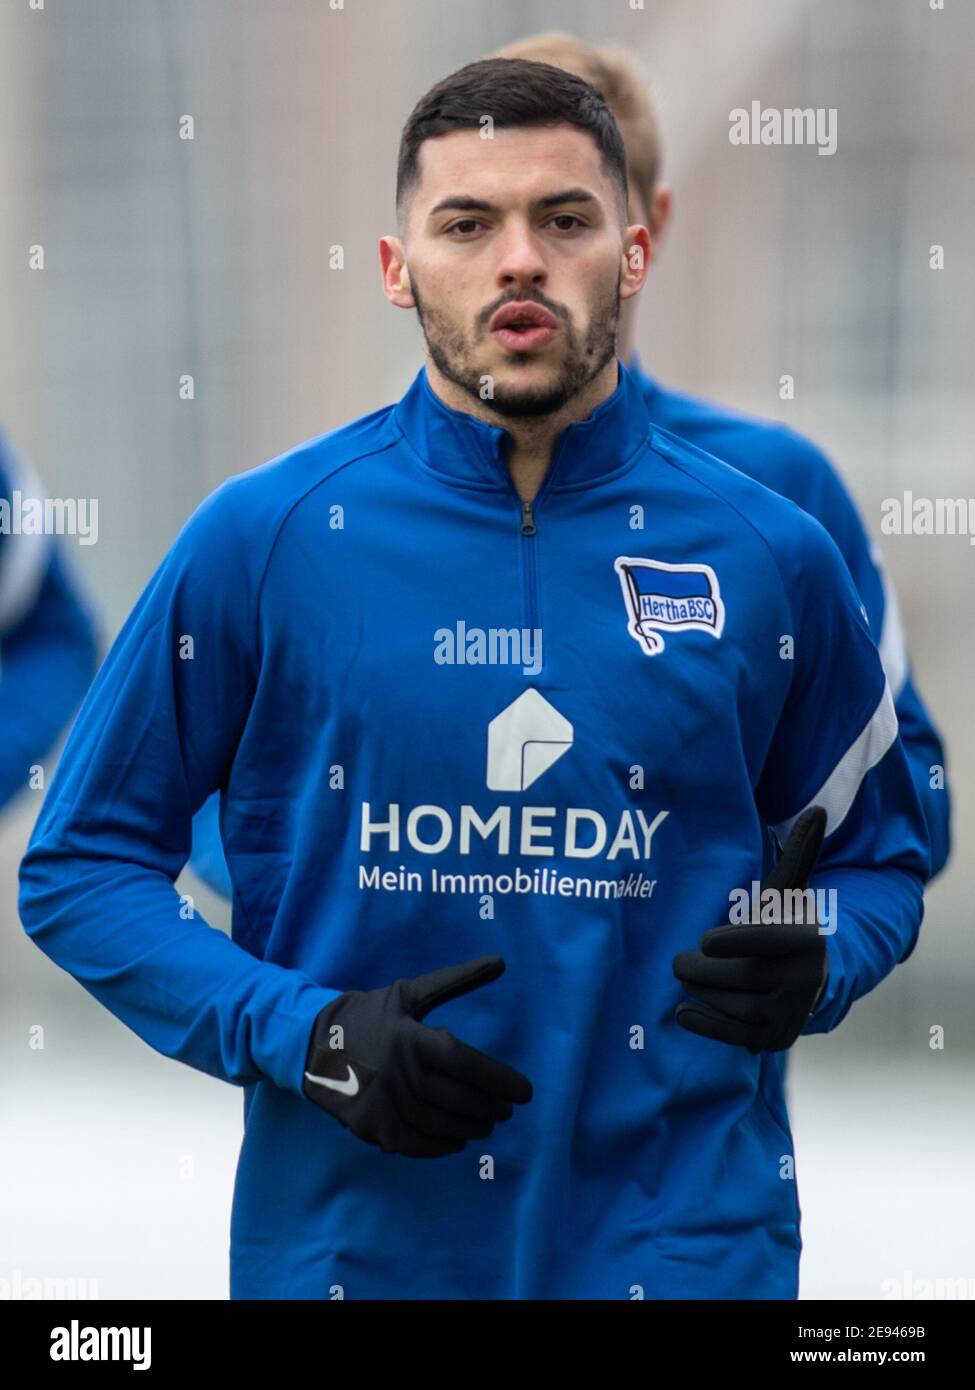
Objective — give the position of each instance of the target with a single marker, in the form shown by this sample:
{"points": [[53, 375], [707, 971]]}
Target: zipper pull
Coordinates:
{"points": [[528, 527]]}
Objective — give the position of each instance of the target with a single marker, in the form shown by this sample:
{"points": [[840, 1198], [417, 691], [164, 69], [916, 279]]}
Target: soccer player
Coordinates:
{"points": [[48, 639], [774, 454], [500, 677]]}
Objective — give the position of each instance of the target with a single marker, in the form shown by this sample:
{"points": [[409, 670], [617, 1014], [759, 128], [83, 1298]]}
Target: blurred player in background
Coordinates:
{"points": [[48, 641]]}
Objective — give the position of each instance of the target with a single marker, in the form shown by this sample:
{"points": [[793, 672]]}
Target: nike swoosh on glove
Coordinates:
{"points": [[398, 1083], [757, 984]]}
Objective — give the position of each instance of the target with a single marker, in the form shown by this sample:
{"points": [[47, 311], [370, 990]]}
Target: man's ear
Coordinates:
{"points": [[635, 267], [396, 275], [661, 208]]}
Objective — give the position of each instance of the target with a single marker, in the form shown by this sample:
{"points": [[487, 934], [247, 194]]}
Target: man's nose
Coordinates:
{"points": [[521, 259]]}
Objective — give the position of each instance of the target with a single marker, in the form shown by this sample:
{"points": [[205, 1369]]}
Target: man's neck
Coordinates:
{"points": [[534, 437], [626, 329]]}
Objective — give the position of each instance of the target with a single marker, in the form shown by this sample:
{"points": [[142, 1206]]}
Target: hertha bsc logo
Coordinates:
{"points": [[668, 598]]}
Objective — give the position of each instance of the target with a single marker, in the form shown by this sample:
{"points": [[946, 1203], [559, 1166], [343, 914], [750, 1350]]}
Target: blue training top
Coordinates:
{"points": [[444, 725]]}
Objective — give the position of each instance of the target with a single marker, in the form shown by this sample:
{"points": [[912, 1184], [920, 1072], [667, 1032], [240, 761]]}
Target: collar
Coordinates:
{"points": [[465, 450]]}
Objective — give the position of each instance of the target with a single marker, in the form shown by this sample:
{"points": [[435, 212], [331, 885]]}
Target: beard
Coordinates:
{"points": [[454, 356]]}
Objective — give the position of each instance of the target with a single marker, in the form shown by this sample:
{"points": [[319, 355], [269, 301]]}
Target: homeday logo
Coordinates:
{"points": [[526, 739]]}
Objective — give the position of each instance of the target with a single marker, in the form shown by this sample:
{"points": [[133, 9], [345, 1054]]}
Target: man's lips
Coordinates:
{"points": [[521, 327], [525, 314]]}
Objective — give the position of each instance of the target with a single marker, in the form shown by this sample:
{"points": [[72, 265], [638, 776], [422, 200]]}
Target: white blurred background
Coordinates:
{"points": [[211, 257]]}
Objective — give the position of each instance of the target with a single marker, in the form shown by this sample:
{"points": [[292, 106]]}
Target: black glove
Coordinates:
{"points": [[398, 1083], [759, 982]]}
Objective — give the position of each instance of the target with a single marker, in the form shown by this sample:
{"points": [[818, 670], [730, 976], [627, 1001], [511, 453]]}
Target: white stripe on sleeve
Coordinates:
{"points": [[893, 644], [838, 792]]}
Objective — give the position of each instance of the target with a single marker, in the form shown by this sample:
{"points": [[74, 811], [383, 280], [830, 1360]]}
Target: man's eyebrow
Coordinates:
{"points": [[461, 202], [570, 195]]}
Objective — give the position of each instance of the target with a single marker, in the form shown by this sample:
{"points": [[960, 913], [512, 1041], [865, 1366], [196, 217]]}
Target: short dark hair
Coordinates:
{"points": [[612, 69], [513, 92]]}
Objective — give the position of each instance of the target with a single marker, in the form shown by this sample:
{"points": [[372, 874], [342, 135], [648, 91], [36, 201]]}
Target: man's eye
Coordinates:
{"points": [[568, 216], [466, 222]]}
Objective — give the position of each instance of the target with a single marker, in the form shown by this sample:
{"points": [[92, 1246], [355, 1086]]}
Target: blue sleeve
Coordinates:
{"points": [[818, 489], [207, 858], [154, 737], [836, 746], [922, 742], [926, 759], [48, 646]]}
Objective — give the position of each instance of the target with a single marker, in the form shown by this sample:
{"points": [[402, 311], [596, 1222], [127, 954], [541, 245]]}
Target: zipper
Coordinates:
{"points": [[530, 582], [528, 529]]}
